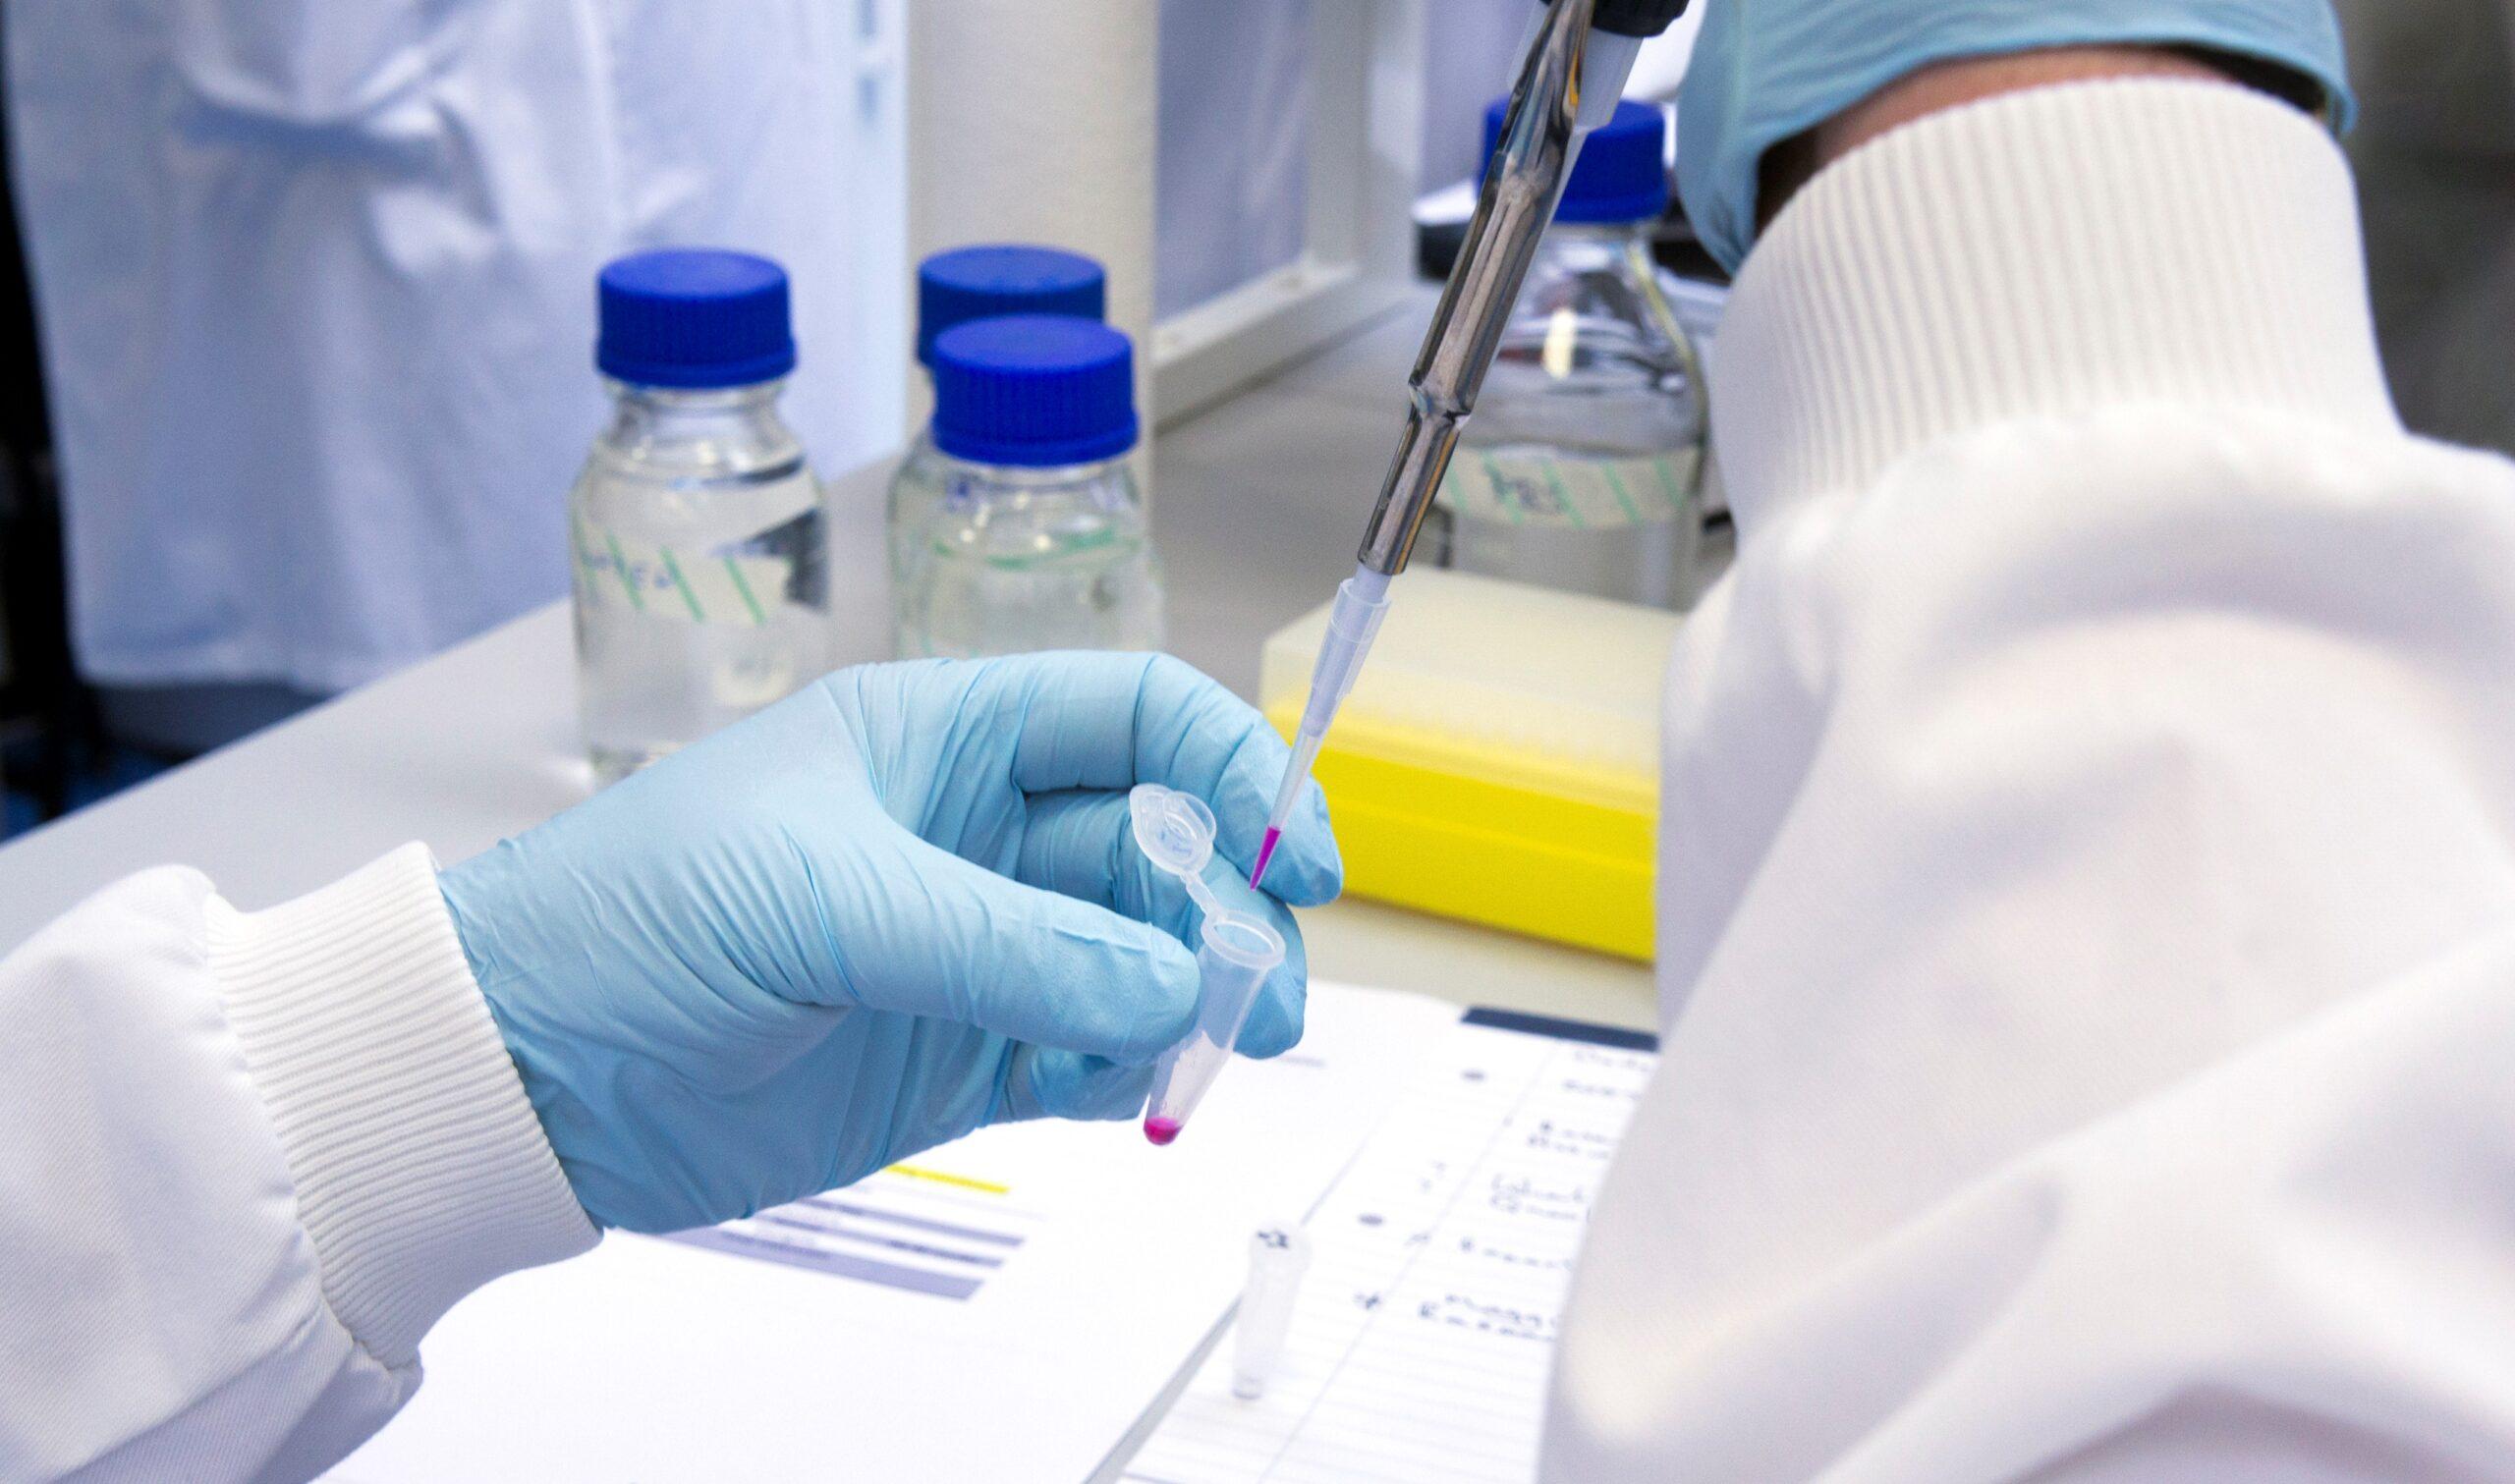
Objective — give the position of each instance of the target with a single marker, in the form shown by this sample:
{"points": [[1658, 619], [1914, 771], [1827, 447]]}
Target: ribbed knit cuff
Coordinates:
{"points": [[2045, 253], [421, 1169]]}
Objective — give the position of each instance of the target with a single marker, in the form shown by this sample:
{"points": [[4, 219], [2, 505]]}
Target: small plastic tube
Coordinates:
{"points": [[1235, 954], [1278, 1257]]}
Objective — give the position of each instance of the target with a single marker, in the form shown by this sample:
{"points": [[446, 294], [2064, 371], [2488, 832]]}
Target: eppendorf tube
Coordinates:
{"points": [[1235, 953], [1278, 1256]]}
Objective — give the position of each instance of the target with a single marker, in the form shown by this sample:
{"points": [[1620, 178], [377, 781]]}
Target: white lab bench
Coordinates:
{"points": [[1258, 504]]}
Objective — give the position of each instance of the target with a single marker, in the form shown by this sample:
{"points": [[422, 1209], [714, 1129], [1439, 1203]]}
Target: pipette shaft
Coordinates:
{"points": [[1530, 166], [1532, 160]]}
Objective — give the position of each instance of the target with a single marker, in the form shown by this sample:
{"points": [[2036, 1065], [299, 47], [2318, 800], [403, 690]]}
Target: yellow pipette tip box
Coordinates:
{"points": [[1498, 761]]}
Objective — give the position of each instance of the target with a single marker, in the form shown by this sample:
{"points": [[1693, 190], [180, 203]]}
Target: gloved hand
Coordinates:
{"points": [[1764, 71], [900, 904]]}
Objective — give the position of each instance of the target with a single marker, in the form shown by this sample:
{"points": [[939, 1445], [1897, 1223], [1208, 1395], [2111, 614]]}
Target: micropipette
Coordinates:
{"points": [[1579, 53]]}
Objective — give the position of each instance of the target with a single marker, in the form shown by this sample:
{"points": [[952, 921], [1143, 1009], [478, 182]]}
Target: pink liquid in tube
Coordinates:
{"points": [[1159, 1130]]}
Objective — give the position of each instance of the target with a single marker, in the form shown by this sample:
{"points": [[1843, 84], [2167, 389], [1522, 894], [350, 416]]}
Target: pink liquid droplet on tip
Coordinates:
{"points": [[1266, 853], [1160, 1130]]}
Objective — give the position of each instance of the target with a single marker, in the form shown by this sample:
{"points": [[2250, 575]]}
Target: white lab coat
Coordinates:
{"points": [[246, 1161], [2089, 916], [2088, 890], [315, 286]]}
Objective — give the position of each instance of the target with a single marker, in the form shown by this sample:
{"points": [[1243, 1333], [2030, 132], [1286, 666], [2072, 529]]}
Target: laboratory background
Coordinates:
{"points": [[219, 218], [421, 418], [222, 505]]}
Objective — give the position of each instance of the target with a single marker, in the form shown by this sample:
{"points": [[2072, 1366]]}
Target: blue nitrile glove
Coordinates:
{"points": [[902, 904], [1764, 71]]}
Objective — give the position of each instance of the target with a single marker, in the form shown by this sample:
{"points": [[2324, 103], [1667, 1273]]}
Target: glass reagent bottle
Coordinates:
{"points": [[1038, 539], [1580, 467], [984, 282], [696, 532]]}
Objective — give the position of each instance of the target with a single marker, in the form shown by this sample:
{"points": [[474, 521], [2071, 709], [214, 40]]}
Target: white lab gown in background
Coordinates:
{"points": [[316, 287], [2086, 918]]}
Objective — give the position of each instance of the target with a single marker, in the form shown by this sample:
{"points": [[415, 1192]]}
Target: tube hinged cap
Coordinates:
{"points": [[1174, 830], [693, 317]]}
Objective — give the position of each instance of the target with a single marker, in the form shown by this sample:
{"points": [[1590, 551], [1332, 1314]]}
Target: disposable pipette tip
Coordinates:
{"points": [[1257, 872], [1287, 796], [1159, 1130]]}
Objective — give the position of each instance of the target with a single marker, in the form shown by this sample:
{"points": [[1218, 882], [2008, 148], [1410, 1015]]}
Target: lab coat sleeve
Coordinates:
{"points": [[2088, 915], [246, 1160]]}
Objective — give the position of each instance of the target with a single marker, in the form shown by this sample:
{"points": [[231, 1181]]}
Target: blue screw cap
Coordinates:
{"points": [[991, 281], [693, 317], [1035, 391], [1622, 172]]}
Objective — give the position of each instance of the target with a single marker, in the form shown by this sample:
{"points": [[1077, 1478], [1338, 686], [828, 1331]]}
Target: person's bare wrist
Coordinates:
{"points": [[1955, 83], [1969, 80]]}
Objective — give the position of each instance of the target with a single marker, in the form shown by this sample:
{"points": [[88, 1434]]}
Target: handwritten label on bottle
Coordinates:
{"points": [[736, 585], [1572, 493]]}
